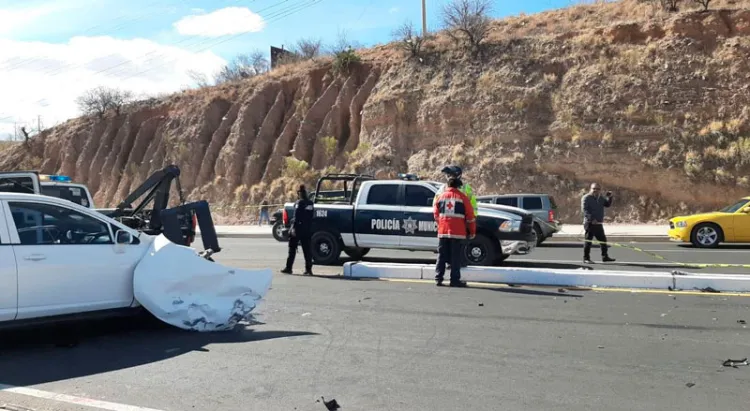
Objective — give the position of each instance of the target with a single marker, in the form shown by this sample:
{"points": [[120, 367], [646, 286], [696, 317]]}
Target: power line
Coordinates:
{"points": [[71, 66], [279, 15], [115, 29], [276, 18]]}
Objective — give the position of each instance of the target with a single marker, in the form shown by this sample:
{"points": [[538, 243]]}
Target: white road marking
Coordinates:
{"points": [[70, 399]]}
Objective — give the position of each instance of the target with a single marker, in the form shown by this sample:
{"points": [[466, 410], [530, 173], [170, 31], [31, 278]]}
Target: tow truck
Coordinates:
{"points": [[177, 223], [397, 214]]}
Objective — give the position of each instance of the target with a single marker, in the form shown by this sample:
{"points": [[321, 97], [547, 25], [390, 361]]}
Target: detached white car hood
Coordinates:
{"points": [[187, 291]]}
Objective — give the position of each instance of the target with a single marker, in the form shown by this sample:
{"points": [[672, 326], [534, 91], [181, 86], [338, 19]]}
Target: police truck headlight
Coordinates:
{"points": [[510, 226], [681, 224]]}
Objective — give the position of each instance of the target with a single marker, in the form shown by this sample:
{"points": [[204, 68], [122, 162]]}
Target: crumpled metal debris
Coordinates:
{"points": [[707, 290], [330, 405], [735, 363]]}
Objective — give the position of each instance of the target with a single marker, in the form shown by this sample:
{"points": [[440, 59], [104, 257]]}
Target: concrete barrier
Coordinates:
{"points": [[383, 270], [561, 278]]}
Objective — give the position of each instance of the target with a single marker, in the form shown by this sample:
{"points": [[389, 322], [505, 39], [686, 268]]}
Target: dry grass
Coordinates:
{"points": [[5, 144]]}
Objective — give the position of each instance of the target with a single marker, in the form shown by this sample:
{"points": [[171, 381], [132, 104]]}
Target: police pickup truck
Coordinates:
{"points": [[397, 214]]}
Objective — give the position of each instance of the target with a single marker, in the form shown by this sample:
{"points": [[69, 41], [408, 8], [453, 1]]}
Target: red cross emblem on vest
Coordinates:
{"points": [[450, 205]]}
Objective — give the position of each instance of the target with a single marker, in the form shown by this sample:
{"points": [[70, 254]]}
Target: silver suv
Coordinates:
{"points": [[541, 205]]}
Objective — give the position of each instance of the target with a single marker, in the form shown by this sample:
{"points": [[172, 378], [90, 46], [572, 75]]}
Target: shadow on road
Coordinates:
{"points": [[428, 261], [528, 291], [36, 356], [562, 245], [514, 290]]}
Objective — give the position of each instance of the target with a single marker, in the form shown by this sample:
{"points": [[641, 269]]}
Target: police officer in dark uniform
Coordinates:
{"points": [[301, 231]]}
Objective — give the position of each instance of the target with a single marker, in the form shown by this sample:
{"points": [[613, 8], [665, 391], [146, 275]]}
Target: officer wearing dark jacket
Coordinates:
{"points": [[592, 207], [300, 232]]}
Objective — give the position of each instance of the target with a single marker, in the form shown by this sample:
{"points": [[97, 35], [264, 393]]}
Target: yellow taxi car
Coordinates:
{"points": [[731, 224]]}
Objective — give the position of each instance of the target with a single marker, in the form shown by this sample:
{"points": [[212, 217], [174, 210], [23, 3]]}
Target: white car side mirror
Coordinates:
{"points": [[123, 237]]}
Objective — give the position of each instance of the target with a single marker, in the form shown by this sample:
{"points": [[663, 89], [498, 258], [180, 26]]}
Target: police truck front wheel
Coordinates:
{"points": [[278, 232], [481, 251], [325, 248]]}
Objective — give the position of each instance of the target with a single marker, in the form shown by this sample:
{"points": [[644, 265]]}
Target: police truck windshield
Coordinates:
{"points": [[70, 193]]}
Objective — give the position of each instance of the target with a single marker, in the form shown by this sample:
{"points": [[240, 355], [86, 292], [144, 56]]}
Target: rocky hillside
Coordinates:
{"points": [[653, 106]]}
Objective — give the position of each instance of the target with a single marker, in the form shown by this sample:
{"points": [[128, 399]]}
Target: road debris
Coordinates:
{"points": [[306, 314], [481, 304], [741, 322], [330, 405], [707, 290], [13, 407], [690, 385], [735, 363]]}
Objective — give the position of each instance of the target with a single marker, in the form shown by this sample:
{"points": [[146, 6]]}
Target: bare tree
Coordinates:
{"points": [[671, 5], [703, 3], [408, 39], [342, 44], [470, 20], [101, 99], [308, 49], [200, 79], [243, 66], [259, 62], [25, 133]]}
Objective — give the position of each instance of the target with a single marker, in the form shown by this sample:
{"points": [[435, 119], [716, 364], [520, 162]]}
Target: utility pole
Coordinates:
{"points": [[424, 18]]}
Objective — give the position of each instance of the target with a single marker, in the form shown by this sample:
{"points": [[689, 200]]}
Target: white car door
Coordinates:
{"points": [[8, 285], [68, 261]]}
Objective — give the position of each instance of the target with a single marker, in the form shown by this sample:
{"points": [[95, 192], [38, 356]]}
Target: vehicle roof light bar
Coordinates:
{"points": [[53, 177]]}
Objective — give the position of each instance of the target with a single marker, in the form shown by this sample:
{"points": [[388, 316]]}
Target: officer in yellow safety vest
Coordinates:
{"points": [[456, 172]]}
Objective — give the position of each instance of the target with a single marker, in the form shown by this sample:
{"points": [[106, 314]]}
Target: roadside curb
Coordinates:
{"points": [[559, 277]]}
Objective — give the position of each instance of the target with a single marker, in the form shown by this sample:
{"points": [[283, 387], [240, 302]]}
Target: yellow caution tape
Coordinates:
{"points": [[662, 258]]}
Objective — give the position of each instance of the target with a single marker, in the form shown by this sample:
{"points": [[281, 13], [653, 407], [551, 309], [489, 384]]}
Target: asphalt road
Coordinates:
{"points": [[376, 345], [271, 253]]}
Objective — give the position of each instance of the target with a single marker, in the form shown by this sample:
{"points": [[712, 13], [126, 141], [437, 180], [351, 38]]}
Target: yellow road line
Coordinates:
{"points": [[616, 290]]}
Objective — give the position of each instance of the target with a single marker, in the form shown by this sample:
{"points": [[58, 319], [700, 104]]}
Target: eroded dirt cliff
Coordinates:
{"points": [[655, 110]]}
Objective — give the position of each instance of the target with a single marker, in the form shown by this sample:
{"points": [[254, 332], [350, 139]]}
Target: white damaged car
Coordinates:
{"points": [[61, 261]]}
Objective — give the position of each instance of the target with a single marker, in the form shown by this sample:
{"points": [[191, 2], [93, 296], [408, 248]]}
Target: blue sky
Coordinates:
{"points": [[53, 50], [367, 21]]}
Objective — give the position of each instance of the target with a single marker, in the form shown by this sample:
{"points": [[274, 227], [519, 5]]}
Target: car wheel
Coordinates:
{"points": [[356, 253], [278, 232], [539, 235], [706, 235], [325, 248], [481, 251]]}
